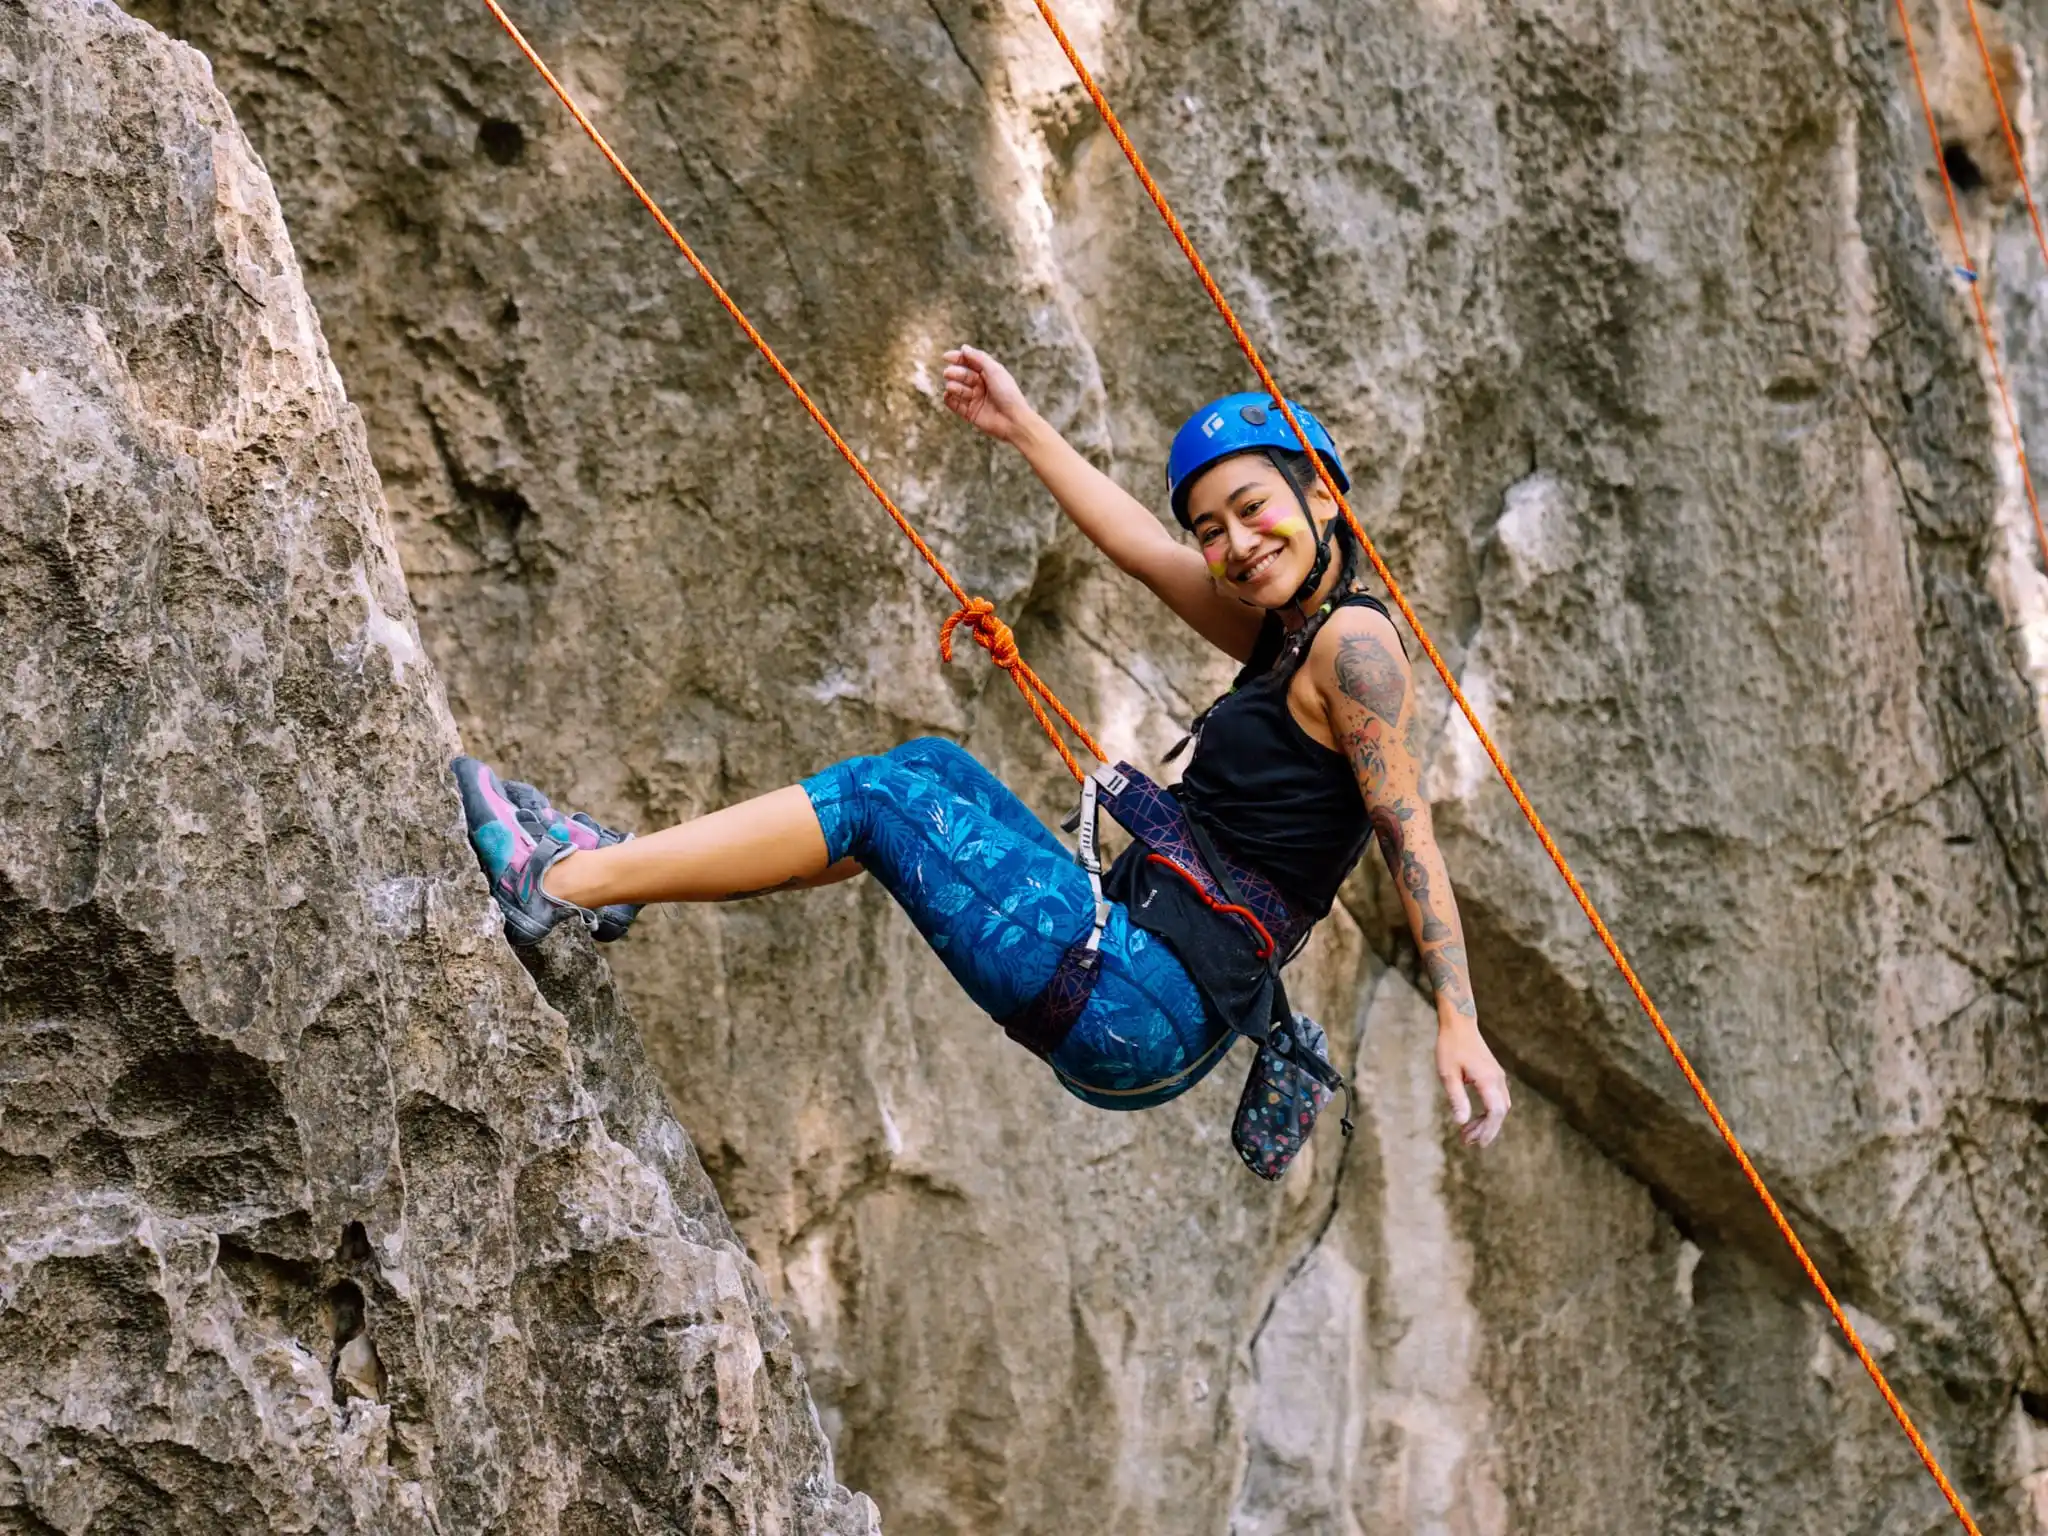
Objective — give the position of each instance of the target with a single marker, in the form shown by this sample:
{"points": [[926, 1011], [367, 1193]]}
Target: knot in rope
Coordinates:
{"points": [[989, 631], [978, 614]]}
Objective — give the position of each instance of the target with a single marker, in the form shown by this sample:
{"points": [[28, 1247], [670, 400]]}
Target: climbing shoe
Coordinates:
{"points": [[1277, 1111], [513, 859], [540, 818]]}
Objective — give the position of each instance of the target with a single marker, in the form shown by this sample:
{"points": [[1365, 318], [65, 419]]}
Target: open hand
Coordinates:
{"points": [[980, 391], [1463, 1057]]}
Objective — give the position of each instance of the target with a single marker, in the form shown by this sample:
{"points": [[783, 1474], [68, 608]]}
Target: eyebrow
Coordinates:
{"points": [[1230, 501]]}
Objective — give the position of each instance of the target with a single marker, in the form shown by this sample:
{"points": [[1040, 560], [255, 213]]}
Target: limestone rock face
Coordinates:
{"points": [[313, 1214], [1640, 333]]}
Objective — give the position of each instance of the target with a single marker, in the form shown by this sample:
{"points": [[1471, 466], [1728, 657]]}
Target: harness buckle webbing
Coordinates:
{"points": [[1085, 851]]}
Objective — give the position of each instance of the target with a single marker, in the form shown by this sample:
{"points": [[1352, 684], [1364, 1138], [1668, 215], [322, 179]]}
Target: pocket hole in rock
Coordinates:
{"points": [[342, 1309], [502, 143], [354, 1247], [1962, 170]]}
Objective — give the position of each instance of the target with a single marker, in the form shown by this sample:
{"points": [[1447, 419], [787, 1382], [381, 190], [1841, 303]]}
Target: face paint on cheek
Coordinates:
{"points": [[1278, 522], [1216, 568]]}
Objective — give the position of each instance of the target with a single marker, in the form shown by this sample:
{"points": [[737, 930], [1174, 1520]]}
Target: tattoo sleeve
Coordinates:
{"points": [[1373, 714], [1371, 676]]}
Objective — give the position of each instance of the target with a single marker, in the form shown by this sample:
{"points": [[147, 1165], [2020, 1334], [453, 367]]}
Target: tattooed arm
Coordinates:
{"points": [[1361, 675]]}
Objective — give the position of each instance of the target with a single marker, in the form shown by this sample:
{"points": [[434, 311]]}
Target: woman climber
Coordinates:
{"points": [[1131, 986]]}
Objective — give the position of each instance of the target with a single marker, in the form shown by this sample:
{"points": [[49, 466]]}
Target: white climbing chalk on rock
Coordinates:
{"points": [[379, 628]]}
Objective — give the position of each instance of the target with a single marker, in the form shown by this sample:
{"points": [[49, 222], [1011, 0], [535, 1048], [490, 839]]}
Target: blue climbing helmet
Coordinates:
{"points": [[1243, 423], [1251, 423]]}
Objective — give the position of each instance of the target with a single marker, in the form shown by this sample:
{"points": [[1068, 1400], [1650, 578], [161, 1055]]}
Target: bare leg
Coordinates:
{"points": [[770, 843]]}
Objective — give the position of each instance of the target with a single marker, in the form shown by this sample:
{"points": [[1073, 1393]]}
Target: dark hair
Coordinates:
{"points": [[1300, 473], [1297, 466], [1299, 470]]}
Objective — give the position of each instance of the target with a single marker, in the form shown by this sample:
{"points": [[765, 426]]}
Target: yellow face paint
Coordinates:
{"points": [[1280, 522], [1216, 568]]}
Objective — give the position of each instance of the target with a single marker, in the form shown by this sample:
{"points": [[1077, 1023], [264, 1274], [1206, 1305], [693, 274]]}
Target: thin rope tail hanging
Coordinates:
{"points": [[977, 615], [1607, 940], [1969, 271]]}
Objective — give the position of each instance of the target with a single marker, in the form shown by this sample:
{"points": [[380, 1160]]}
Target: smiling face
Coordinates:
{"points": [[1250, 530]]}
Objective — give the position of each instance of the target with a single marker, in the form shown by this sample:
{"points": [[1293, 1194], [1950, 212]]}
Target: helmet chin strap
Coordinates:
{"points": [[1325, 540]]}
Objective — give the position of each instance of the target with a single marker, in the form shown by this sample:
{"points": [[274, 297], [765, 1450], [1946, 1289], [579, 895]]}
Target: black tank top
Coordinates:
{"points": [[1271, 794], [1273, 798]]}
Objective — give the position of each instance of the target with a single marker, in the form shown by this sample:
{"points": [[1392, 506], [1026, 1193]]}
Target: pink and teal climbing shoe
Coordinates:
{"points": [[513, 859], [539, 819]]}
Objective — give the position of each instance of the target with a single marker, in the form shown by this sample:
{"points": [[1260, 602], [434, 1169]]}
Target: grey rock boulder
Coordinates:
{"points": [[314, 1214]]}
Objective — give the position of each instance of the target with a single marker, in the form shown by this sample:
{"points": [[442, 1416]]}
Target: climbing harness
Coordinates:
{"points": [[978, 615], [1564, 869], [1042, 1025], [1180, 852]]}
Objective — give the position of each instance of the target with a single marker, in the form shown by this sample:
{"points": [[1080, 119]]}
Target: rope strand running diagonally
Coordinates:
{"points": [[1607, 940], [2019, 167], [977, 615], [1972, 278], [2012, 142]]}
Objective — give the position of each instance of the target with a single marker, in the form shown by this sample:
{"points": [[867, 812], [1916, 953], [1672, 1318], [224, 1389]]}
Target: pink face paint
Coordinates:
{"points": [[1280, 522]]}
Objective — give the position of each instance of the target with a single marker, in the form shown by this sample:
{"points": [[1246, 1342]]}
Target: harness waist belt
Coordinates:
{"points": [[1155, 817]]}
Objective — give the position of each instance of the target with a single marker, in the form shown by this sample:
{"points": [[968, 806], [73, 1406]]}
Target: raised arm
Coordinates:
{"points": [[1361, 675], [981, 392]]}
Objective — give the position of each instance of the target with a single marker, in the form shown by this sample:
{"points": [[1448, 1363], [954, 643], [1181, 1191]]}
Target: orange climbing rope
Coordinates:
{"points": [[2019, 167], [976, 614], [1507, 776], [979, 617], [1968, 272], [2012, 142]]}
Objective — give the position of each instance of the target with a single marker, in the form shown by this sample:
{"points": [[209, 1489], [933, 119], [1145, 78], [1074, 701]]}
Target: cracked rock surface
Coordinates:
{"points": [[1638, 328], [314, 1214]]}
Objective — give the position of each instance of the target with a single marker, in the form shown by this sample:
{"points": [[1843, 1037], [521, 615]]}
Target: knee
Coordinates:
{"points": [[842, 797], [931, 755], [849, 795]]}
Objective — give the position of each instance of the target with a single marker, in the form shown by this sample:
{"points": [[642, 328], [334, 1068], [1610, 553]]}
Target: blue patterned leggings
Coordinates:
{"points": [[998, 898]]}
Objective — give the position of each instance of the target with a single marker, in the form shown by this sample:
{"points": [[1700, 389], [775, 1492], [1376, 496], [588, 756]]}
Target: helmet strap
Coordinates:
{"points": [[1325, 538]]}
